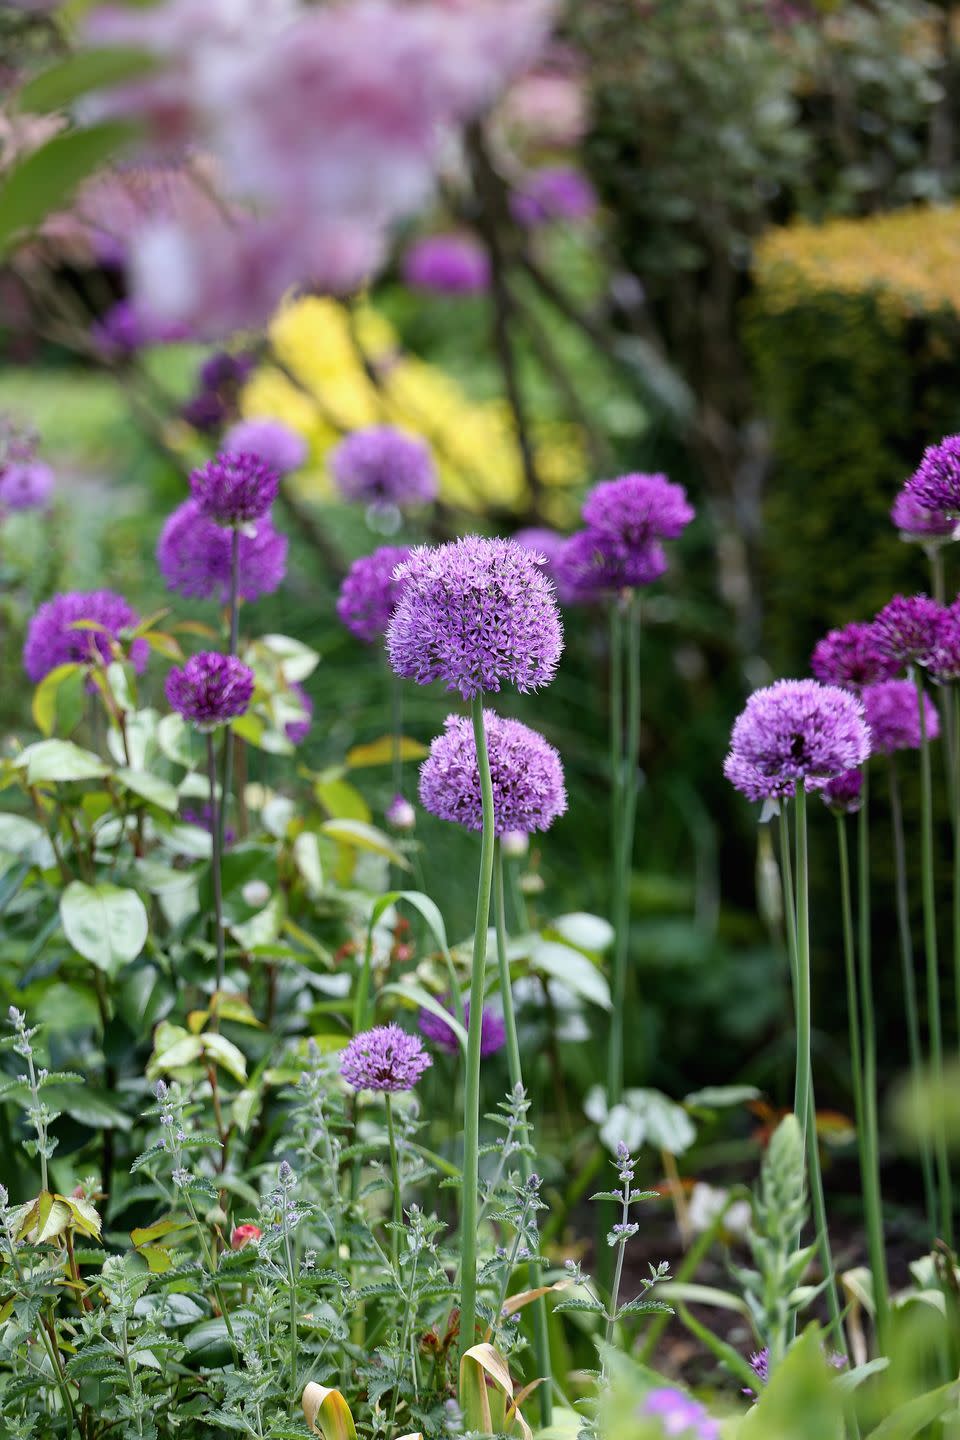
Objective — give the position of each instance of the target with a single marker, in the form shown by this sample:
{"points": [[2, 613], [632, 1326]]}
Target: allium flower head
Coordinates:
{"points": [[194, 556], [25, 485], [917, 522], [493, 1034], [844, 793], [400, 814], [384, 466], [297, 730], [210, 689], [638, 508], [555, 192], [234, 488], [370, 591], [596, 563], [944, 662], [447, 265], [893, 716], [53, 640], [852, 656], [752, 782], [680, 1415], [908, 629], [475, 614], [385, 1058], [551, 545], [797, 730], [935, 483], [279, 447], [527, 773]]}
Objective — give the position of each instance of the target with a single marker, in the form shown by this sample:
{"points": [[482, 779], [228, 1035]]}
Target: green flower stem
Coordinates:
{"points": [[541, 1334], [872, 1196], [625, 808], [234, 648], [910, 984], [933, 969], [953, 735], [396, 730], [471, 1089], [395, 1176], [216, 816]]}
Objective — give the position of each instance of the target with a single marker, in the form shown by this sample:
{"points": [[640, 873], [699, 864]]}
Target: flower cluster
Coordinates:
{"points": [[795, 730], [475, 614], [918, 522], [626, 520], [892, 711], [81, 627], [852, 656], [527, 775], [447, 265], [935, 484], [943, 662], [908, 629], [844, 793], [370, 591], [235, 488], [210, 689], [493, 1034], [384, 466], [194, 556], [385, 1058]]}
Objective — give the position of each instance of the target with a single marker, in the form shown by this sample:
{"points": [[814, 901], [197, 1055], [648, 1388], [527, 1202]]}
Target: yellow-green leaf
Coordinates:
{"points": [[382, 751], [327, 1413], [364, 837]]}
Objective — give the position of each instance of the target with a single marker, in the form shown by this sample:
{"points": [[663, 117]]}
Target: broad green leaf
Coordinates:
{"points": [[573, 969], [25, 839], [181, 743], [104, 923], [60, 760], [384, 750], [46, 179], [173, 1049], [909, 1419], [585, 932], [718, 1097], [296, 659], [341, 800], [364, 837], [306, 857], [59, 696], [327, 1413], [262, 928], [91, 1107], [78, 74], [150, 787], [226, 1054]]}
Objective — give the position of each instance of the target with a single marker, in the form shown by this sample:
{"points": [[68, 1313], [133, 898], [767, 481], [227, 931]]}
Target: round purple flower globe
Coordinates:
{"points": [[908, 629], [194, 556], [798, 730], [53, 640], [893, 716], [594, 564], [400, 814], [25, 485], [475, 614], [637, 509], [447, 265], [935, 484], [210, 689], [370, 591], [493, 1032], [383, 466], [918, 523], [279, 447], [844, 793], [234, 488], [297, 730], [752, 782], [554, 193], [944, 661], [549, 544], [681, 1417], [527, 773], [852, 656], [385, 1058]]}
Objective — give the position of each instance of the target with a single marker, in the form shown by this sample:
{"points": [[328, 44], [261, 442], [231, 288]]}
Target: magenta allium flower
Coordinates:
{"points": [[852, 656], [493, 1032], [297, 730], [554, 193], [917, 522], [798, 730], [527, 773], [384, 466], [680, 1415], [53, 640], [844, 793], [194, 556], [447, 265], [935, 483], [279, 447], [475, 614], [385, 1058], [944, 661], [638, 508], [593, 564], [210, 689], [908, 629], [400, 814], [370, 591], [235, 488], [25, 485], [893, 716]]}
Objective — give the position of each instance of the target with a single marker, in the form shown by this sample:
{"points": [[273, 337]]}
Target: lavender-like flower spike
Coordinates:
{"points": [[279, 447], [385, 1058], [493, 1033], [679, 1415], [918, 523], [194, 556], [908, 629], [935, 483], [52, 639], [844, 793], [234, 488], [893, 716], [383, 466], [798, 730], [527, 774], [210, 689], [852, 657], [475, 614], [370, 591]]}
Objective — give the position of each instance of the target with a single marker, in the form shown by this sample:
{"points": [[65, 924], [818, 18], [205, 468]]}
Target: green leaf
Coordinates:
{"points": [[105, 924], [718, 1097], [90, 1107], [59, 697], [364, 837], [327, 1413], [341, 800], [26, 840], [296, 659], [573, 969], [384, 750], [592, 933], [416, 994], [431, 913], [46, 179], [60, 760], [800, 1399], [180, 742], [225, 1054], [150, 787], [262, 928], [306, 857], [87, 70], [173, 1049], [909, 1419]]}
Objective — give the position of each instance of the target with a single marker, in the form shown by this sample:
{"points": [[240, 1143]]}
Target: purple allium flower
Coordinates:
{"points": [[206, 411], [944, 662], [935, 483], [760, 1363], [52, 640], [447, 265], [637, 509], [551, 545], [908, 629], [384, 466], [852, 657], [276, 444], [527, 773], [554, 193], [370, 591], [235, 488], [917, 522], [679, 1415], [475, 613], [203, 819], [797, 730], [843, 794], [384, 1058], [25, 485], [593, 564], [753, 783], [210, 689], [400, 814], [298, 730], [893, 716], [194, 556], [123, 330], [493, 1033], [225, 371]]}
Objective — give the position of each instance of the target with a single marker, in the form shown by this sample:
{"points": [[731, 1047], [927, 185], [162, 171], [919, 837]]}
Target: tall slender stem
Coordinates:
{"points": [[395, 1177], [933, 969], [471, 1089], [625, 813], [910, 984], [952, 708], [541, 1334], [801, 1103], [234, 647], [216, 812], [396, 731]]}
